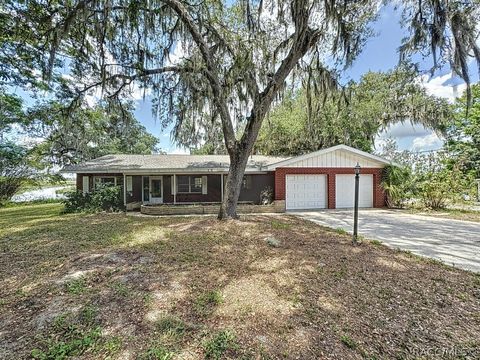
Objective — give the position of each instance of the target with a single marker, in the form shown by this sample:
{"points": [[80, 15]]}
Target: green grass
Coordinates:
{"points": [[348, 341], [206, 302], [76, 286], [172, 326], [159, 288], [279, 225], [69, 336], [216, 346], [157, 353]]}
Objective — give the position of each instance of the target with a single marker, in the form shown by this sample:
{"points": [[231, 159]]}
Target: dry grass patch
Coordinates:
{"points": [[120, 287]]}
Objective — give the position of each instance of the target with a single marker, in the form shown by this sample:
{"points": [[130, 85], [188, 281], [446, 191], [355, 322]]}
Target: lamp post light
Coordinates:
{"points": [[355, 211]]}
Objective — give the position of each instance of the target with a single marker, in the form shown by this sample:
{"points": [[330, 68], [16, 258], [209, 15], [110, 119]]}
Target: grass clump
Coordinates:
{"points": [[206, 302], [348, 341], [171, 325], [278, 225], [68, 338], [76, 286], [340, 231], [157, 353], [219, 344]]}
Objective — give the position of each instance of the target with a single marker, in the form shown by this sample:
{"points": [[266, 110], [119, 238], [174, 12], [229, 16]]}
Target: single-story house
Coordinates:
{"points": [[318, 180]]}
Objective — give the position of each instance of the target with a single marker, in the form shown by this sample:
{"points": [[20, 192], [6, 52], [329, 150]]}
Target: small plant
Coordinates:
{"points": [[205, 303], [376, 242], [341, 231], [69, 338], [280, 225], [120, 288], [111, 345], [76, 286], [88, 314], [348, 341], [219, 344], [157, 353], [172, 326], [266, 196]]}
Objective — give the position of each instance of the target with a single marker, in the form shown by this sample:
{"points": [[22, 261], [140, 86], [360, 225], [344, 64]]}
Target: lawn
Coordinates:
{"points": [[457, 214], [264, 287]]}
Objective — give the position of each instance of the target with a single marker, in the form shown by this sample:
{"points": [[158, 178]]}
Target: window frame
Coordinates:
{"points": [[95, 183], [191, 184]]}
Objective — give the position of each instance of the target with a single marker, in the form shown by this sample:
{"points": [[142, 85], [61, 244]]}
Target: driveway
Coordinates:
{"points": [[454, 242]]}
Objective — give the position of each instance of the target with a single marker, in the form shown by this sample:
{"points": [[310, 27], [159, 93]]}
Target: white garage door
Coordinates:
{"points": [[306, 192], [345, 191]]}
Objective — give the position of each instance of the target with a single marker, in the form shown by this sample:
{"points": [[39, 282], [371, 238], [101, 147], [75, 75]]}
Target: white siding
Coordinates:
{"points": [[339, 159]]}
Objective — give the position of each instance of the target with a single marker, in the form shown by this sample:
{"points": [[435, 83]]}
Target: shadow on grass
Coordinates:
{"points": [[191, 287]]}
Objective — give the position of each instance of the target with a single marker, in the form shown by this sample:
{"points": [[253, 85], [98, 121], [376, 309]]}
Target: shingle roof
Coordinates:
{"points": [[162, 163]]}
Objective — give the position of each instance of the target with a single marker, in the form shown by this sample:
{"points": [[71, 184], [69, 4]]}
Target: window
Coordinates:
{"points": [[189, 184], [105, 180], [86, 184], [129, 184]]}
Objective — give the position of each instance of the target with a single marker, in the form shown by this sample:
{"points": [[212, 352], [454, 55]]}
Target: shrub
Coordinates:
{"points": [[266, 196], [438, 187], [398, 184], [104, 198]]}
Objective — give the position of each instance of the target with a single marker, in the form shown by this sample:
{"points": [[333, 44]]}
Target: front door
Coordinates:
{"points": [[156, 190]]}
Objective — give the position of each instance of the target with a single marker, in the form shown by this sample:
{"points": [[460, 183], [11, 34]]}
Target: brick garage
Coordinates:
{"points": [[337, 166], [378, 194]]}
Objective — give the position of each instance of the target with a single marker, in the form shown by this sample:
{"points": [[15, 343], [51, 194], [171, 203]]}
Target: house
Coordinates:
{"points": [[318, 180]]}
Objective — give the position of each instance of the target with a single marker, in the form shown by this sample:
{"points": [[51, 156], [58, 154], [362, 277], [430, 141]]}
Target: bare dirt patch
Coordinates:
{"points": [[110, 286]]}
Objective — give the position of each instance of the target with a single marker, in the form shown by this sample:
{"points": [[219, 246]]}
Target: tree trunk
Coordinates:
{"points": [[233, 185]]}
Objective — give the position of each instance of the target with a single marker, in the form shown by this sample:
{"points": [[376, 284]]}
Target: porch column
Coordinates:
{"points": [[174, 189], [221, 186], [125, 191]]}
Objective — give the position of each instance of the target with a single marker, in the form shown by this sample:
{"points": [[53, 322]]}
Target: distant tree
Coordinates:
{"points": [[15, 169], [86, 132], [302, 124], [463, 134]]}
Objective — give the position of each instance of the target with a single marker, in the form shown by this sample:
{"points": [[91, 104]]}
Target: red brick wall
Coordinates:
{"points": [[378, 194]]}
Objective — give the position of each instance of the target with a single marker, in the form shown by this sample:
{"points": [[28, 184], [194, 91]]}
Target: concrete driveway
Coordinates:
{"points": [[455, 242]]}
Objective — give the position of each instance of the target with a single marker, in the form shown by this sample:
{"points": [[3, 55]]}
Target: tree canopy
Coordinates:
{"points": [[463, 133], [86, 132], [375, 102]]}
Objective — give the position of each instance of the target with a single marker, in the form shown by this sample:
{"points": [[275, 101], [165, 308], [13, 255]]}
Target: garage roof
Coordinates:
{"points": [[336, 156]]}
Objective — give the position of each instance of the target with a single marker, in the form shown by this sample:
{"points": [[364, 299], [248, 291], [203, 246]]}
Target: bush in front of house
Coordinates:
{"points": [[266, 196], [105, 198], [399, 185]]}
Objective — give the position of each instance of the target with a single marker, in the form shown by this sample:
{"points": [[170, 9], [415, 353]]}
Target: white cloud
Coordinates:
{"points": [[403, 130], [428, 142], [445, 86], [178, 151]]}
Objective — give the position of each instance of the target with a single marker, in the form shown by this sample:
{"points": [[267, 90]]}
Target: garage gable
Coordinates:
{"points": [[340, 156]]}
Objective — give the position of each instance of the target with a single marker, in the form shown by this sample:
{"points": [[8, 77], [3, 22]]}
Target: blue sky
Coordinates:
{"points": [[380, 54]]}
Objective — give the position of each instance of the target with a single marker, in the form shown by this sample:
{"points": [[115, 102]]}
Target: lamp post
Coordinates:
{"points": [[355, 211]]}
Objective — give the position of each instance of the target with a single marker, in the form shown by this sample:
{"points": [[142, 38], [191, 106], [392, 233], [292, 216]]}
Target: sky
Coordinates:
{"points": [[379, 54]]}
